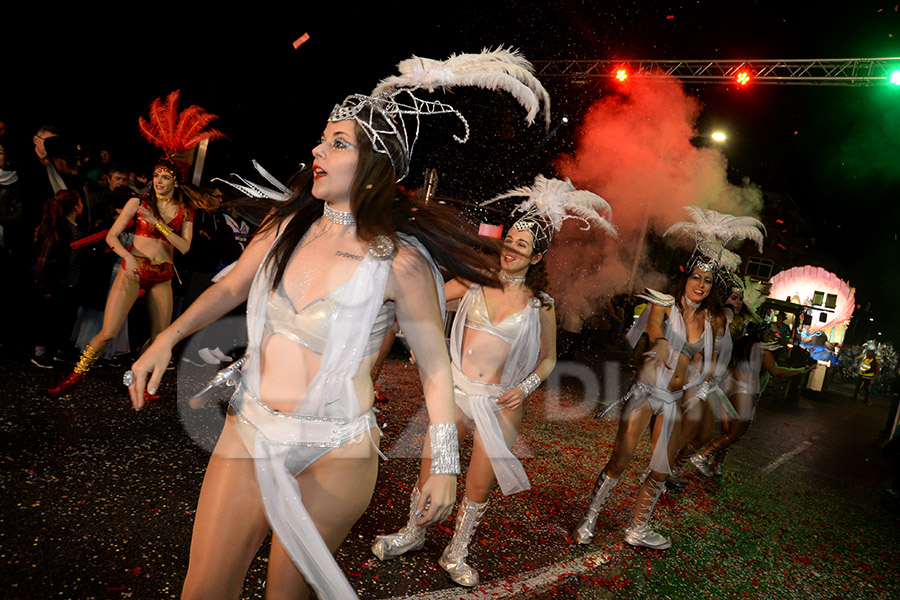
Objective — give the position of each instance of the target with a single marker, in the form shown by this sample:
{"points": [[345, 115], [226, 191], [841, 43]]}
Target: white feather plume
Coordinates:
{"points": [[499, 69], [729, 260], [753, 295], [279, 192], [710, 224], [553, 199]]}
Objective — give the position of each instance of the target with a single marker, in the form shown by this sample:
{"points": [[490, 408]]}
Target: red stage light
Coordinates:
{"points": [[743, 77], [621, 74]]}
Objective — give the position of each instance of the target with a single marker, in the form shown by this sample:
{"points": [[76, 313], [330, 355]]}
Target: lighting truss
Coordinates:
{"points": [[828, 71]]}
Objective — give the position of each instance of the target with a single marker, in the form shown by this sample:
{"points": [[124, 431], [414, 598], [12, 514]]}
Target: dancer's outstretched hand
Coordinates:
{"points": [[152, 363], [511, 398], [437, 499]]}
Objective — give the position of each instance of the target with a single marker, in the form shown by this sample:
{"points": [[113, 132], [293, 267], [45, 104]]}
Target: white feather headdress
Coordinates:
{"points": [[712, 231], [549, 202], [499, 69]]}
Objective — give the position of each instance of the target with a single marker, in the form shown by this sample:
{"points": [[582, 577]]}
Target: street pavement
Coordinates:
{"points": [[98, 501]]}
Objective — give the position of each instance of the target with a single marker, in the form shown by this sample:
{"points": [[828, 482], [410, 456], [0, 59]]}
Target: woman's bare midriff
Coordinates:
{"points": [[483, 356], [287, 368], [158, 251]]}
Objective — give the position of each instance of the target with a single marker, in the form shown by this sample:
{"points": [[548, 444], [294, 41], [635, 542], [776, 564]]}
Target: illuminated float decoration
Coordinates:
{"points": [[829, 300]]}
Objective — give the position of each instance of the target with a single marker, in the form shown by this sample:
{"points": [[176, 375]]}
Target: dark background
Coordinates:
{"points": [[93, 71]]}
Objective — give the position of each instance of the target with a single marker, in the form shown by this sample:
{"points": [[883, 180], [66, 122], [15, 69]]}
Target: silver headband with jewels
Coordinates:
{"points": [[549, 202], [541, 231], [382, 120], [383, 115], [706, 255], [729, 284]]}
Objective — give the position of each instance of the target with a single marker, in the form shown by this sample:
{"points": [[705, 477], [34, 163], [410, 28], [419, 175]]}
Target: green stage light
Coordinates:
{"points": [[895, 77]]}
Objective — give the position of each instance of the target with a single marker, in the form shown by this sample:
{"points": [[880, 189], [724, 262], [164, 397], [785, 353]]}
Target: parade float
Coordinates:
{"points": [[823, 306]]}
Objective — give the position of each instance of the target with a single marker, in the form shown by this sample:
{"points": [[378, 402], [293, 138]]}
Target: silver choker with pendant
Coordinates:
{"points": [[510, 279], [339, 216]]}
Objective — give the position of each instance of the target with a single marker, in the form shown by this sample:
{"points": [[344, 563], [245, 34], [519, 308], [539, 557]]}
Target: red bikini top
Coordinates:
{"points": [[143, 228]]}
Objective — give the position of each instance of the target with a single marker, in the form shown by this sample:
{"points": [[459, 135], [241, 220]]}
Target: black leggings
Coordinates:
{"points": [[865, 383]]}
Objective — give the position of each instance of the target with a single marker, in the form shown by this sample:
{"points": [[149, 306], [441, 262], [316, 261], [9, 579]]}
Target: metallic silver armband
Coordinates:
{"points": [[529, 384], [444, 449], [703, 390]]}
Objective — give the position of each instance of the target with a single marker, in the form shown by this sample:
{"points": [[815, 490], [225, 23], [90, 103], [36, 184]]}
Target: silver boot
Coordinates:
{"points": [[719, 461], [584, 533], [639, 533], [411, 537], [676, 477], [701, 462], [453, 560]]}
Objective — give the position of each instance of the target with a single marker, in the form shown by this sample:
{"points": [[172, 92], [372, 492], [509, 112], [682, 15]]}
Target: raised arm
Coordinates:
{"points": [[456, 289], [218, 300], [412, 288], [656, 335], [180, 239]]}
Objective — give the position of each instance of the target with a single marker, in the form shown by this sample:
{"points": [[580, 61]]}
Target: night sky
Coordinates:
{"points": [[836, 151]]}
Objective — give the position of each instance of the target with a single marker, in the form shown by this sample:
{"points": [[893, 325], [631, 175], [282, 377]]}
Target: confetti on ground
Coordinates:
{"points": [[98, 501]]}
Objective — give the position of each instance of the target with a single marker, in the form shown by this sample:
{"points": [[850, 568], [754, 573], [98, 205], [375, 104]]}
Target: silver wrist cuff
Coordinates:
{"points": [[529, 384], [703, 390], [444, 449]]}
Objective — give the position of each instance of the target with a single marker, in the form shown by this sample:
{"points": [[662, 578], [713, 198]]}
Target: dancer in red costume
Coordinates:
{"points": [[162, 223]]}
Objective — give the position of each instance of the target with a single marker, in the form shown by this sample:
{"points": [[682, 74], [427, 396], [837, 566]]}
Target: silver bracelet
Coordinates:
{"points": [[703, 390], [529, 384], [444, 449]]}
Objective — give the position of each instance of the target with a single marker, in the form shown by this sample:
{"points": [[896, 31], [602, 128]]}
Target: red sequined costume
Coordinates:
{"points": [[150, 273]]}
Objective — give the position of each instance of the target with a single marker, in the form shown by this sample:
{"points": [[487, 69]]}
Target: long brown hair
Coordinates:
{"points": [[184, 195], [381, 207], [55, 210], [711, 303]]}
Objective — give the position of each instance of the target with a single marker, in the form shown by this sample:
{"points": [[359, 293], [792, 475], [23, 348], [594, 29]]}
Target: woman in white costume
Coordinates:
{"points": [[323, 280], [704, 401], [752, 364], [678, 328], [503, 345]]}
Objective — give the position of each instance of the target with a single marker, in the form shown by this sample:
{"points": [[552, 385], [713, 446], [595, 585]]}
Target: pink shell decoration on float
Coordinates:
{"points": [[803, 284]]}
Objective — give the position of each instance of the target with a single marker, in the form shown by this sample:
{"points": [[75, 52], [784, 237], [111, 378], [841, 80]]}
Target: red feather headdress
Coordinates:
{"points": [[177, 133]]}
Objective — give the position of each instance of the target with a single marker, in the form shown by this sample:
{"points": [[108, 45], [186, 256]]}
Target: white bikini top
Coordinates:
{"points": [[690, 349], [479, 318], [311, 325]]}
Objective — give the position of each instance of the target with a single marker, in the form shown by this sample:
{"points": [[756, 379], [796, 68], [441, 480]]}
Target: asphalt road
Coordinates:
{"points": [[97, 501]]}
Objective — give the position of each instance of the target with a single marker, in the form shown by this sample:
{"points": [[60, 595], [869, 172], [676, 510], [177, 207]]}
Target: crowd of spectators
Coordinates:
{"points": [[57, 200]]}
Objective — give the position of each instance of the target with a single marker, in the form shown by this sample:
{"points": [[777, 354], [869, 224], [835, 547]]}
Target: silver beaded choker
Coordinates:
{"points": [[339, 216], [511, 279], [692, 304]]}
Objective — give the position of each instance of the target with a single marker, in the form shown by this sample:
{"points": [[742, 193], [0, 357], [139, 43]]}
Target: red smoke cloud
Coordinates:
{"points": [[634, 149]]}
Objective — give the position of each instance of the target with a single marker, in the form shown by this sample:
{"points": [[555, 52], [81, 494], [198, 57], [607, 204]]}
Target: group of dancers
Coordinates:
{"points": [[709, 360], [343, 252]]}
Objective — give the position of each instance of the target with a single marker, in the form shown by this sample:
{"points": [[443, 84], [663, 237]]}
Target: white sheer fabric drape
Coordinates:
{"points": [[330, 394], [520, 362]]}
